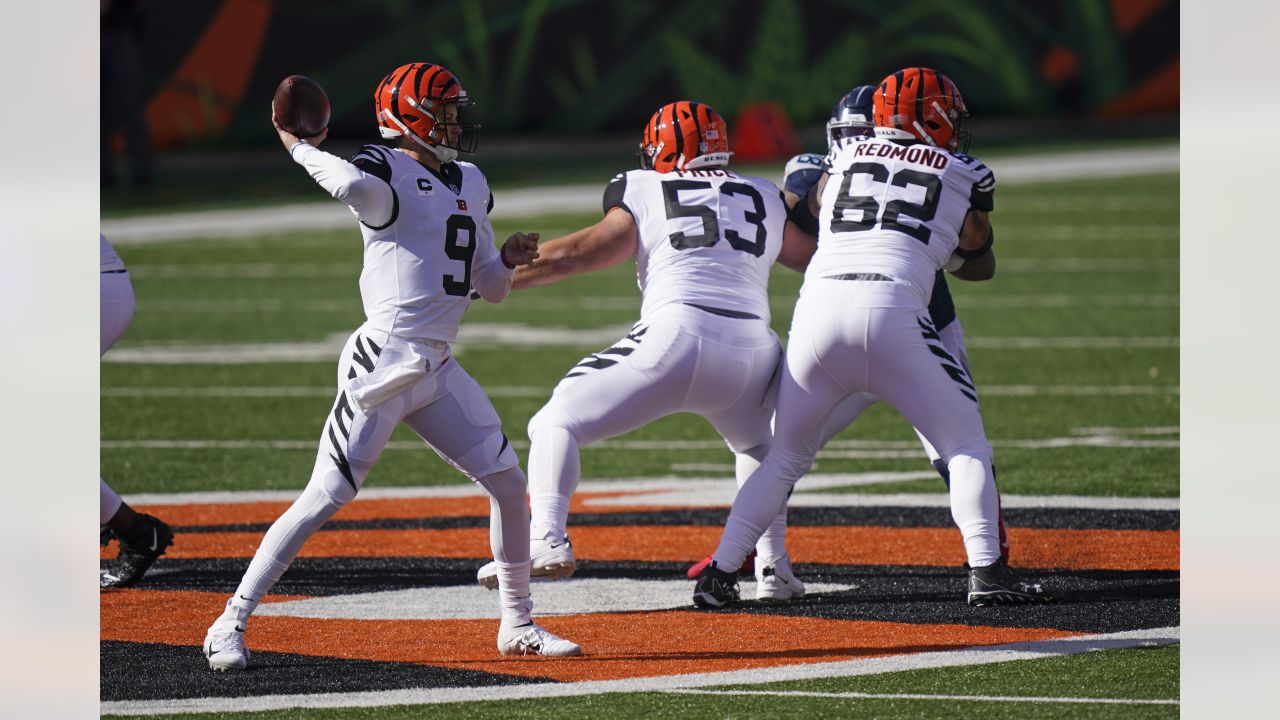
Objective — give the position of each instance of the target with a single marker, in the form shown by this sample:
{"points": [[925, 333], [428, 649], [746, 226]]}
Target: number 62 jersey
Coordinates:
{"points": [[896, 210], [707, 237]]}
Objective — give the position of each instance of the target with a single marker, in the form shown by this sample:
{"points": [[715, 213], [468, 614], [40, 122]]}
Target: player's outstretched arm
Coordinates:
{"points": [[976, 237], [798, 247], [607, 243], [371, 197]]}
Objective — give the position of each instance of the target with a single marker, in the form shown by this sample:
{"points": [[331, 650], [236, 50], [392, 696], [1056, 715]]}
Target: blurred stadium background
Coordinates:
{"points": [[563, 86]]}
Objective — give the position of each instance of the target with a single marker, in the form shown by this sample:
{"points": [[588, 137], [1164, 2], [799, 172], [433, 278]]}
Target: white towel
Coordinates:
{"points": [[400, 365]]}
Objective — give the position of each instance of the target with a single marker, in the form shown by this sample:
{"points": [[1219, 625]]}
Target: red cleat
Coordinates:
{"points": [[748, 567]]}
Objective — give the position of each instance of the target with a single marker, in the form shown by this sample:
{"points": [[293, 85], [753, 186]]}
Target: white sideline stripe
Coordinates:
{"points": [[834, 450], [571, 596], [923, 696], [527, 391], [519, 335], [276, 391], [706, 491], [752, 676], [532, 202]]}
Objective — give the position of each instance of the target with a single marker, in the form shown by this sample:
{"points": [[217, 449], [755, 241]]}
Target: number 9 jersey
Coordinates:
{"points": [[707, 237], [421, 264], [896, 210]]}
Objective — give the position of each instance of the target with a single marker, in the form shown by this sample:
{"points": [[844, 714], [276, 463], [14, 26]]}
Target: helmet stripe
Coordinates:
{"points": [[897, 93], [920, 79], [431, 79], [694, 109], [675, 126]]}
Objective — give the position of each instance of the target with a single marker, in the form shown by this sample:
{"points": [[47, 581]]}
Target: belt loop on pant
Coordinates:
{"points": [[871, 277]]}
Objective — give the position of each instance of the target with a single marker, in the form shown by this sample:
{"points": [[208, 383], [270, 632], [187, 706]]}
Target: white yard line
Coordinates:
{"points": [[834, 449], [520, 335], [801, 671], [528, 391], [585, 198], [925, 696], [714, 491]]}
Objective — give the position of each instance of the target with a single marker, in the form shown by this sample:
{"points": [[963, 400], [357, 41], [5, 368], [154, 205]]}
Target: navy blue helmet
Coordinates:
{"points": [[852, 116]]}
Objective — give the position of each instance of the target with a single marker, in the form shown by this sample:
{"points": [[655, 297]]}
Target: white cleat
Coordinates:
{"points": [[533, 639], [775, 581], [224, 647], [549, 559]]}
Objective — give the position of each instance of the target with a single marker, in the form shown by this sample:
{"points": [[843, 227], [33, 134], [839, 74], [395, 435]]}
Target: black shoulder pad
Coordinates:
{"points": [[373, 160], [490, 208], [614, 192]]}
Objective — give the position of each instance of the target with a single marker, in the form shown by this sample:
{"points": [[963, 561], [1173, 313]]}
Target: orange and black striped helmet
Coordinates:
{"points": [[684, 135], [411, 102], [923, 104]]}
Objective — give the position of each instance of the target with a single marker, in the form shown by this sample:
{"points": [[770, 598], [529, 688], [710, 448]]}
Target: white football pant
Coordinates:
{"points": [[852, 407], [869, 337], [454, 417], [115, 312], [681, 359]]}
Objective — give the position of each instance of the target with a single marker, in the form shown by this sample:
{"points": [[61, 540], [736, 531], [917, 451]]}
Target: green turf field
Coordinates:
{"points": [[1138, 682], [1074, 345]]}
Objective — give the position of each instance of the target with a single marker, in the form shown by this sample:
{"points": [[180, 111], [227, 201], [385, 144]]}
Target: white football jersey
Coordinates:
{"points": [[418, 266], [896, 209], [108, 260], [707, 237]]}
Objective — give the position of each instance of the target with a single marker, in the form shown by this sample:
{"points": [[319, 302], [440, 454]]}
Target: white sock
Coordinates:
{"points": [[975, 507], [773, 543], [109, 502], [509, 540], [281, 545], [554, 471]]}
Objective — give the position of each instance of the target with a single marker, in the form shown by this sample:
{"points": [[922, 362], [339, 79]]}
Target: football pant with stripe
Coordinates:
{"points": [[454, 417], [849, 409], [852, 337], [680, 359]]}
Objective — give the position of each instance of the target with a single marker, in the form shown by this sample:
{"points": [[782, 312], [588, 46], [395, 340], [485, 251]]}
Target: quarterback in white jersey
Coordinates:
{"points": [[704, 239], [428, 244], [893, 210]]}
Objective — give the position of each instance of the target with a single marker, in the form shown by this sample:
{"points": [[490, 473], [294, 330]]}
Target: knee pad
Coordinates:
{"points": [[550, 416], [491, 456]]}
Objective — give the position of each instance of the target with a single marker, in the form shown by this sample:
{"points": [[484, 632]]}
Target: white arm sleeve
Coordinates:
{"points": [[489, 276], [369, 196]]}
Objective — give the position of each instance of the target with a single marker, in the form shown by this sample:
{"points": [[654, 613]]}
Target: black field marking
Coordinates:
{"points": [[900, 517], [317, 576], [1085, 600], [148, 671]]}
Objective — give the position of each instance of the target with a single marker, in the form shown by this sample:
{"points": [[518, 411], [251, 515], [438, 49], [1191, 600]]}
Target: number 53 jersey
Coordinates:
{"points": [[896, 210], [420, 266], [707, 237]]}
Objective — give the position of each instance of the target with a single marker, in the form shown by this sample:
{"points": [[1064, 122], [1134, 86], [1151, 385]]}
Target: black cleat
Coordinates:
{"points": [[135, 559], [996, 584], [716, 588]]}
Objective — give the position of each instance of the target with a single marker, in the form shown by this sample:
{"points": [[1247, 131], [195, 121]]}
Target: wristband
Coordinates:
{"points": [[986, 247], [502, 255]]}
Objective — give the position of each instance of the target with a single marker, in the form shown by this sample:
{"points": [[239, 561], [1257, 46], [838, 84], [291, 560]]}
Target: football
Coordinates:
{"points": [[300, 106]]}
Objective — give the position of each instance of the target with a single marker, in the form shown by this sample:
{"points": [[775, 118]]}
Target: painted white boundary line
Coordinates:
{"points": [[527, 391], [844, 668], [533, 202], [922, 696], [707, 492]]}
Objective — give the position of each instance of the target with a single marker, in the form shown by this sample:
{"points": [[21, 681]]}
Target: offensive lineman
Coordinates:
{"points": [[704, 239], [852, 118], [894, 209], [427, 243]]}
